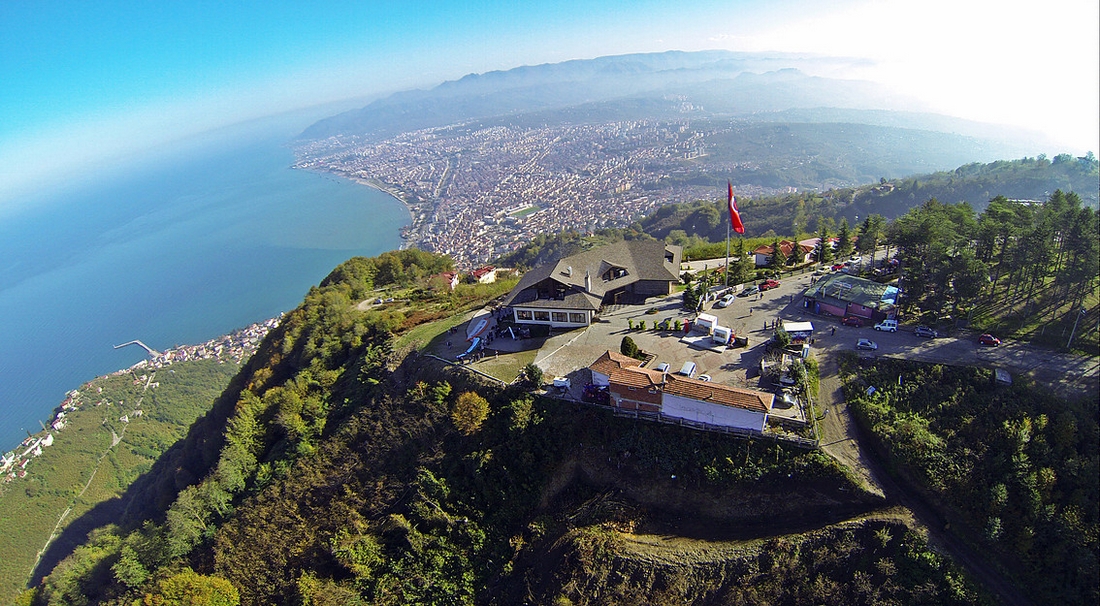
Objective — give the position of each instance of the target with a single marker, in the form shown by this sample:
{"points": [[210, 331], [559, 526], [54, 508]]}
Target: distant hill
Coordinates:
{"points": [[756, 87], [976, 184]]}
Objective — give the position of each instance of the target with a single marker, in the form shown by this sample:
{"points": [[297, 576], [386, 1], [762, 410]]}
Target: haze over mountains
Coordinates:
{"points": [[754, 87]]}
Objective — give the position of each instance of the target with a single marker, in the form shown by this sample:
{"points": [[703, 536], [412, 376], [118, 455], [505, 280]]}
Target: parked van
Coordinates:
{"points": [[887, 325], [688, 369]]}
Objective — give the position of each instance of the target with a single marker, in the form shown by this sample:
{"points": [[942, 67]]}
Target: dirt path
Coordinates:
{"points": [[673, 550], [839, 437]]}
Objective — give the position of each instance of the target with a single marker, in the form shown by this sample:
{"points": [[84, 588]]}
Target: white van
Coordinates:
{"points": [[887, 325], [688, 369]]}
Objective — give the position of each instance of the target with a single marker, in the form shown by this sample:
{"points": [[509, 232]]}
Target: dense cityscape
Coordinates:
{"points": [[477, 192]]}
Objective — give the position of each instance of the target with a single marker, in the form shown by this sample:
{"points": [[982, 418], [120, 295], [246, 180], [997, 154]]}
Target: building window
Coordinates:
{"points": [[542, 316], [560, 316], [523, 314], [578, 318]]}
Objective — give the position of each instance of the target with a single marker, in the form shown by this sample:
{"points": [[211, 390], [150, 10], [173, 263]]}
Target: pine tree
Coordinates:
{"points": [[824, 252], [844, 245]]}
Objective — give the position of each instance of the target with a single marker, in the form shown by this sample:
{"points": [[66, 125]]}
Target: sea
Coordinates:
{"points": [[176, 247]]}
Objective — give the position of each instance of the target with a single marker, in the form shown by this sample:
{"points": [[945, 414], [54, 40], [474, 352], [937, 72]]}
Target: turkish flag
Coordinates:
{"points": [[735, 217]]}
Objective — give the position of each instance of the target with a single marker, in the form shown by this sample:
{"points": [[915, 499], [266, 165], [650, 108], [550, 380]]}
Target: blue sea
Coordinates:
{"points": [[174, 248]]}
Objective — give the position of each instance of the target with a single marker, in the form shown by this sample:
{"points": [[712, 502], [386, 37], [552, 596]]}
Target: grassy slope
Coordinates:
{"points": [[62, 477]]}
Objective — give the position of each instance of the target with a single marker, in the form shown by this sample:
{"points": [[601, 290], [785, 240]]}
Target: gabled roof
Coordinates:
{"points": [[642, 260], [612, 360], [786, 246], [641, 378], [716, 393]]}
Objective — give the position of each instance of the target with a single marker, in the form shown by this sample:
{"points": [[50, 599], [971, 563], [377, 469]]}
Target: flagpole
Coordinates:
{"points": [[729, 222]]}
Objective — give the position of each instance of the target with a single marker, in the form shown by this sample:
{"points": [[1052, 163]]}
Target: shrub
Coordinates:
{"points": [[469, 412], [628, 347], [533, 374]]}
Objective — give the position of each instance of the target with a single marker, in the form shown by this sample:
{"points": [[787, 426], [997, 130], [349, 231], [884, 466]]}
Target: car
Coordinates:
{"points": [[688, 369], [924, 331], [887, 325], [768, 285], [867, 344], [705, 378], [855, 259], [838, 267], [749, 291], [988, 339], [855, 321], [725, 301], [662, 367]]}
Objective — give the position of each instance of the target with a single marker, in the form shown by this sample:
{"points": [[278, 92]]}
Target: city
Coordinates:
{"points": [[476, 192]]}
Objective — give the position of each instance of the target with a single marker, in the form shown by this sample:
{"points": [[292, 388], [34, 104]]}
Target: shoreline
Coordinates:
{"points": [[236, 346], [406, 232]]}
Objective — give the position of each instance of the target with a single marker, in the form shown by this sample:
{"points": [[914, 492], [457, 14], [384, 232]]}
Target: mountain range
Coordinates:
{"points": [[755, 87]]}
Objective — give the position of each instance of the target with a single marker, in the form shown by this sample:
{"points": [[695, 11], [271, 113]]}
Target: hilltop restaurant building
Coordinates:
{"points": [[570, 292]]}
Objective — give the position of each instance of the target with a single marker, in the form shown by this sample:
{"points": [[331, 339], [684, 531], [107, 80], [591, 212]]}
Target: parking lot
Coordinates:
{"points": [[753, 317]]}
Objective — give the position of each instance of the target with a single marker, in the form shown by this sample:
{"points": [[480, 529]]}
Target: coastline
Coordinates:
{"points": [[236, 346], [418, 220]]}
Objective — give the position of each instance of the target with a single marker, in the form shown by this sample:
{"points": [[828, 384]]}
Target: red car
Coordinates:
{"points": [[768, 284], [988, 339], [852, 321], [838, 267]]}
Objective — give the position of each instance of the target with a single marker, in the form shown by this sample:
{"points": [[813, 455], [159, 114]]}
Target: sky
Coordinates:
{"points": [[84, 85]]}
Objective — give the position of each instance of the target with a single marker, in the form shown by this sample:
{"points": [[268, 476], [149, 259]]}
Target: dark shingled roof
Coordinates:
{"points": [[641, 260]]}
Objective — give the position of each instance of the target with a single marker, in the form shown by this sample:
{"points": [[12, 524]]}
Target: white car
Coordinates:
{"points": [[704, 378], [662, 367], [725, 301]]}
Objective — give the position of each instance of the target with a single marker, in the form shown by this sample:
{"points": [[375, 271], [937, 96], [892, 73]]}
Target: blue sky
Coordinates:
{"points": [[88, 83]]}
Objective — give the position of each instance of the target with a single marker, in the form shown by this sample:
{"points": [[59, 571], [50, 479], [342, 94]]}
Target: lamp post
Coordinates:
{"points": [[1080, 313]]}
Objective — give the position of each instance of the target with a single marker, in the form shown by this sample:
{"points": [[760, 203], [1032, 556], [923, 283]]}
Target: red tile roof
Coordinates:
{"points": [[637, 377], [705, 391], [612, 360]]}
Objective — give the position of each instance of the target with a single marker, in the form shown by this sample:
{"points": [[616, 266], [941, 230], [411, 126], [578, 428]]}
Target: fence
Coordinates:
{"points": [[469, 368], [695, 425]]}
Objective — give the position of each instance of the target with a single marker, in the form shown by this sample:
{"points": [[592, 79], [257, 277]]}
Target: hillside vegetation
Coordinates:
{"points": [[806, 212], [335, 471], [1016, 465], [77, 483]]}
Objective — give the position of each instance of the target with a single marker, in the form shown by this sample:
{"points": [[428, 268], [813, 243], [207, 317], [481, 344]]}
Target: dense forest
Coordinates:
{"points": [[1017, 464], [336, 471], [1018, 268]]}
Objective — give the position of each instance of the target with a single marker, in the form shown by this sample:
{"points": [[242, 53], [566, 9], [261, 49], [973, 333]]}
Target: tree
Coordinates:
{"points": [[968, 276], [533, 373], [745, 265], [824, 252], [128, 569], [189, 588], [844, 240], [470, 411], [778, 260], [782, 337], [628, 347]]}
